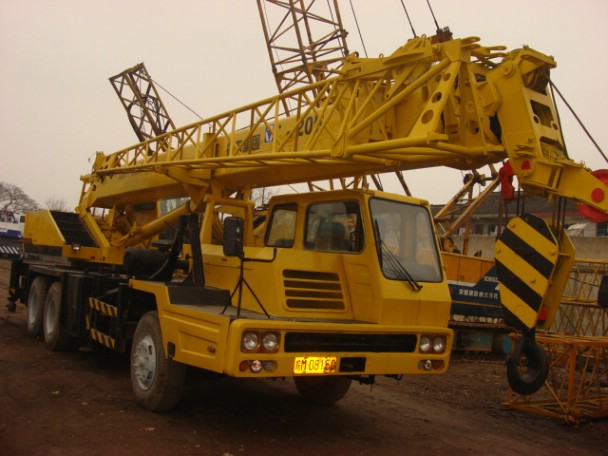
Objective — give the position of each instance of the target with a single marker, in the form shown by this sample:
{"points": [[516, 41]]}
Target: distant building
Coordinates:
{"points": [[493, 211]]}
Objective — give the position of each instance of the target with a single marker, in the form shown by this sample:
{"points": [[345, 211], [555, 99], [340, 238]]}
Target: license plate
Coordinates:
{"points": [[315, 364]]}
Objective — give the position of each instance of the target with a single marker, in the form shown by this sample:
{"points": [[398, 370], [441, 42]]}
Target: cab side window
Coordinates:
{"points": [[334, 227], [282, 226]]}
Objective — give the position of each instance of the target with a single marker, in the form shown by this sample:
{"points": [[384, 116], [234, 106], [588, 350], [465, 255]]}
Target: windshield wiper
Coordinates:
{"points": [[393, 264], [398, 269], [378, 241]]}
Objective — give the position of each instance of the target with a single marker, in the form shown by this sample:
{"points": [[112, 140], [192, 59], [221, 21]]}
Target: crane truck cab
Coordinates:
{"points": [[322, 301]]}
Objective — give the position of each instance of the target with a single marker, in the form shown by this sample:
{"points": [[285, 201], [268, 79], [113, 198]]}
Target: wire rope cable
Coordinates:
{"points": [[178, 100], [358, 28]]}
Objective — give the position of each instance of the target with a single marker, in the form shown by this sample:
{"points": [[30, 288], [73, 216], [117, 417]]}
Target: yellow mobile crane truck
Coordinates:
{"points": [[341, 285]]}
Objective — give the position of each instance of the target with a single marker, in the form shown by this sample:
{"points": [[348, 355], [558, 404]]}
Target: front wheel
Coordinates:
{"points": [[157, 381], [323, 390]]}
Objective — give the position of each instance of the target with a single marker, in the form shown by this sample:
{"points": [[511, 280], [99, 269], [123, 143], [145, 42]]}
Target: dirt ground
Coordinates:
{"points": [[80, 403]]}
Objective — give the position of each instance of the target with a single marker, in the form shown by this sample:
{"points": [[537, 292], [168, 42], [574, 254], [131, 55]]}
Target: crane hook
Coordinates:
{"points": [[527, 366]]}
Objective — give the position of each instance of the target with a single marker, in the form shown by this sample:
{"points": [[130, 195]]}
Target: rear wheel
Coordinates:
{"points": [[324, 389], [55, 335], [35, 305], [157, 381]]}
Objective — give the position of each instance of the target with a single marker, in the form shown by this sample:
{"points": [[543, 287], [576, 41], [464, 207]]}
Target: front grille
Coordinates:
{"points": [[312, 290], [303, 342]]}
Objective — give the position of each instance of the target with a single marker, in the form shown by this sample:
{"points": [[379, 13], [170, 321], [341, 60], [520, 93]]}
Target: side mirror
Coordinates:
{"points": [[233, 236]]}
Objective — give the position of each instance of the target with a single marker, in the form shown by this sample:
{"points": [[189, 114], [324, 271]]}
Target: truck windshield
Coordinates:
{"points": [[405, 242]]}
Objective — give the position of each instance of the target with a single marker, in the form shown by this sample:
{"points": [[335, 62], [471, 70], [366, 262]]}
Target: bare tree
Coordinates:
{"points": [[13, 198], [56, 204], [262, 195]]}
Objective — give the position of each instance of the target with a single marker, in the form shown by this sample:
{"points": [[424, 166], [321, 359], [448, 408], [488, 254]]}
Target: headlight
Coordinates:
{"points": [[270, 342], [439, 344], [432, 344], [250, 341], [425, 344]]}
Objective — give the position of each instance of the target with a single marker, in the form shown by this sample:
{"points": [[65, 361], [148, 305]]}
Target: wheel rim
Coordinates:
{"points": [[144, 362], [32, 308], [50, 311]]}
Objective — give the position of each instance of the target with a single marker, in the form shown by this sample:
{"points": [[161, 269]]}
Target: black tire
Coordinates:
{"points": [[527, 367], [324, 390], [35, 305], [157, 381], [55, 336]]}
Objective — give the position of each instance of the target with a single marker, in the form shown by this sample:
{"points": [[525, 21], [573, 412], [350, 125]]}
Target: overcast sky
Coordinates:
{"points": [[58, 107]]}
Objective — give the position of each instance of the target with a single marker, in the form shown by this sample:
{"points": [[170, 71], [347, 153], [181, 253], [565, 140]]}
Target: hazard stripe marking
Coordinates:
{"points": [[516, 267], [103, 308], [526, 257], [102, 338], [527, 253], [521, 311], [9, 250], [519, 287]]}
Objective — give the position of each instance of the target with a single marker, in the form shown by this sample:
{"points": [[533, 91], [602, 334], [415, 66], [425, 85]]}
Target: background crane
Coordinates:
{"points": [[306, 41], [145, 109]]}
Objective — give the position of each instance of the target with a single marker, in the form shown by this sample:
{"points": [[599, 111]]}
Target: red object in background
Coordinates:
{"points": [[506, 181], [598, 194]]}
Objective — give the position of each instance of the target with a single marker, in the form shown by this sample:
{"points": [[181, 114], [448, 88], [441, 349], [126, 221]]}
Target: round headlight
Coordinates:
{"points": [[425, 344], [270, 342], [250, 341], [439, 344]]}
